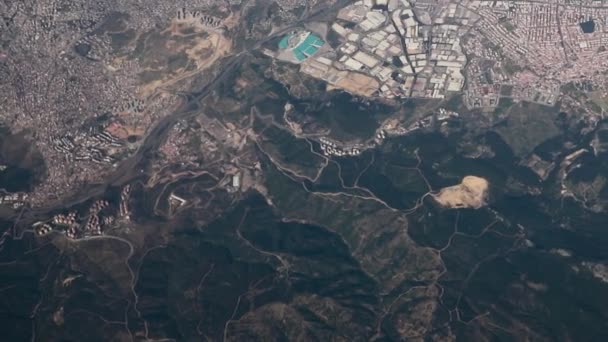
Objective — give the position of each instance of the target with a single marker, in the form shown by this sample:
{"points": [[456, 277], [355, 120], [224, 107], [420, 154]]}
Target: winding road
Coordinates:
{"points": [[134, 166]]}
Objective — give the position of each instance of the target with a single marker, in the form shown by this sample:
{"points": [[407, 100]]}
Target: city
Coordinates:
{"points": [[525, 51], [320, 170]]}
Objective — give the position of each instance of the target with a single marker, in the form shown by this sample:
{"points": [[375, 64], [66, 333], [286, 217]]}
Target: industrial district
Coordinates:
{"points": [[488, 50], [385, 52]]}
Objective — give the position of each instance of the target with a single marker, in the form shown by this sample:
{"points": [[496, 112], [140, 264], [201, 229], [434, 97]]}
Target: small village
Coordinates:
{"points": [[79, 224]]}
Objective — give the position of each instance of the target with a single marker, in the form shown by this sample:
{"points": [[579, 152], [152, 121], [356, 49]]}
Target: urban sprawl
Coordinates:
{"points": [[487, 50]]}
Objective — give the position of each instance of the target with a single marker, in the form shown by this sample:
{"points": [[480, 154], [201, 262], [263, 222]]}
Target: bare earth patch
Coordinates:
{"points": [[471, 193], [356, 83]]}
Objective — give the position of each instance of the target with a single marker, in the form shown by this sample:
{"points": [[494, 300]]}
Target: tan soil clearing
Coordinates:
{"points": [[204, 52], [472, 192], [124, 131], [356, 83]]}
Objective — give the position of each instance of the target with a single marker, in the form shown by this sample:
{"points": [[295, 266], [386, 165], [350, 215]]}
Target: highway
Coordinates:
{"points": [[134, 167]]}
